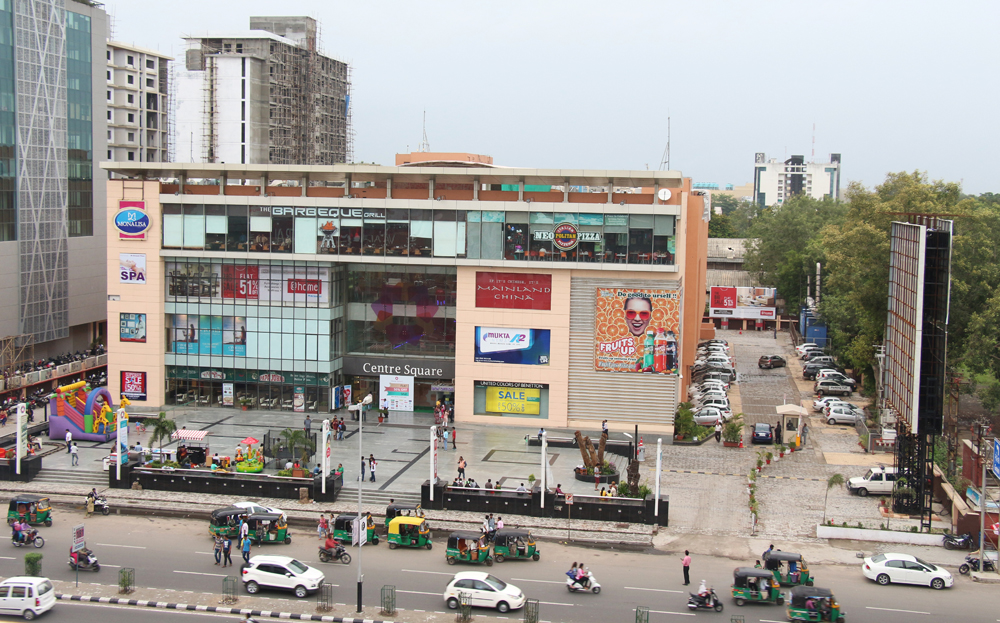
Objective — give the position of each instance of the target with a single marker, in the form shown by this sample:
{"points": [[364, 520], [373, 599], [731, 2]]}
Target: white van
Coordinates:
{"points": [[878, 480], [26, 596]]}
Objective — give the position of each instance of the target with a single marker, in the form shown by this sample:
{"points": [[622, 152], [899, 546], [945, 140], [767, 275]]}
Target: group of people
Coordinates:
{"points": [[337, 429], [490, 526], [21, 530], [610, 492], [579, 574], [371, 463], [224, 544], [444, 435]]}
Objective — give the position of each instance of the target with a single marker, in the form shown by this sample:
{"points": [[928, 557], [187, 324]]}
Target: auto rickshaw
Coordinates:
{"points": [[814, 604], [797, 572], [343, 527], [468, 547], [508, 544], [33, 509], [269, 528], [402, 510], [756, 585], [226, 521], [408, 532]]}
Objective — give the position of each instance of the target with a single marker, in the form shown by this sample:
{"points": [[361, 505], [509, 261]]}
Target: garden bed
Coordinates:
{"points": [[602, 478]]}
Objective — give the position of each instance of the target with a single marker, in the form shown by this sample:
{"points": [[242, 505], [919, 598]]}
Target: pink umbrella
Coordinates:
{"points": [[249, 441]]}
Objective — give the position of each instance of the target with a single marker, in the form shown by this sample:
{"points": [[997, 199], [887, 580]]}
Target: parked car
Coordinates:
{"points": [[878, 480], [811, 349], [281, 572], [858, 411], [905, 569], [762, 433], [484, 591], [816, 356], [828, 386], [708, 416], [713, 374], [820, 404], [713, 383], [810, 370], [801, 348], [771, 361], [836, 376], [841, 415], [719, 342], [26, 597], [722, 406], [257, 509]]}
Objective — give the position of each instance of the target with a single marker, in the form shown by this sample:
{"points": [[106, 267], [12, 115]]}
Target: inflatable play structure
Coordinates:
{"points": [[89, 415]]}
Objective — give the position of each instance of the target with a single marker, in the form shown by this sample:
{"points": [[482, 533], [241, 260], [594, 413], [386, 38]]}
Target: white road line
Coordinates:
{"points": [[430, 572], [658, 590], [417, 592], [118, 545], [7, 558], [681, 614], [554, 603], [206, 553], [897, 610], [112, 566], [770, 621], [539, 581], [214, 575]]}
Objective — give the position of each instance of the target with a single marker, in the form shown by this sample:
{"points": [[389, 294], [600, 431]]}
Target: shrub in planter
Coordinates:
{"points": [[732, 431], [767, 457], [33, 564]]}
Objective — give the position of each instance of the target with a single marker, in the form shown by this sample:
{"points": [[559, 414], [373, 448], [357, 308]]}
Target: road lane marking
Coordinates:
{"points": [[112, 566], [430, 572], [416, 592], [658, 590], [8, 558], [554, 603], [540, 581], [206, 553], [682, 614], [897, 610], [214, 575], [117, 545]]}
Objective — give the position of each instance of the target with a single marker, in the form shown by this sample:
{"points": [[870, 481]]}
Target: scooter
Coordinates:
{"points": [[101, 505], [954, 541], [972, 563], [28, 536], [338, 553], [708, 602], [590, 583], [88, 561]]}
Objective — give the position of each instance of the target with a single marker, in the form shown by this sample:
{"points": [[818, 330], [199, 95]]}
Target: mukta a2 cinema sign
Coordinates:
{"points": [[514, 291]]}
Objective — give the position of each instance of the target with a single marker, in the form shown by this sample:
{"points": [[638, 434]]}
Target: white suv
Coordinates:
{"points": [[26, 596], [281, 572]]}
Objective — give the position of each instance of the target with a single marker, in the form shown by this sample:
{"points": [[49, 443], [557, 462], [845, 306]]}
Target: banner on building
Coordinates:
{"points": [[227, 394], [514, 290], [133, 327], [132, 221], [520, 346], [210, 335], [750, 303], [514, 398], [299, 399], [133, 268], [397, 391], [636, 330], [133, 385]]}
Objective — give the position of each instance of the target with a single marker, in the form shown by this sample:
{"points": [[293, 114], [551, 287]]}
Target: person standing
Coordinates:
{"points": [[363, 462], [322, 527], [805, 431], [244, 527], [69, 439], [246, 550], [90, 506], [718, 432], [218, 549], [227, 548], [371, 466], [454, 444], [74, 455], [461, 468], [307, 425], [604, 427], [686, 563]]}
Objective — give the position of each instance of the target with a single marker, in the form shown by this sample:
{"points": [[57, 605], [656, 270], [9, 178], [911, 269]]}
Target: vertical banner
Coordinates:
{"points": [[299, 399], [227, 394], [22, 434], [325, 453], [398, 391], [434, 460], [347, 395]]}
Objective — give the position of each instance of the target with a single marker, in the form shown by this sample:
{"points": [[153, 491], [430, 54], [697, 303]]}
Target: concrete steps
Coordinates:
{"points": [[89, 478]]}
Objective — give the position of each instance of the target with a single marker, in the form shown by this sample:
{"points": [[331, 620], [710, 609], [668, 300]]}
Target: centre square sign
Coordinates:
{"points": [[399, 366]]}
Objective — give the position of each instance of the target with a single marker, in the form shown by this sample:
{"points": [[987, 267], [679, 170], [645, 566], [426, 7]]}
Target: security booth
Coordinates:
{"points": [[792, 419]]}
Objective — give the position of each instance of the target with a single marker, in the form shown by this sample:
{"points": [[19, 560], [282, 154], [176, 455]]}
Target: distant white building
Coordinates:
{"points": [[775, 181], [137, 93]]}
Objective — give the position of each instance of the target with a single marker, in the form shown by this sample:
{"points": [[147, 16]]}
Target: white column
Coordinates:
{"points": [[22, 439], [659, 466], [545, 435], [434, 460]]}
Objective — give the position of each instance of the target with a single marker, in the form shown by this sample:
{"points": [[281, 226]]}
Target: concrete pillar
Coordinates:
{"points": [[475, 189], [520, 190], [304, 183], [430, 189], [566, 190], [263, 184], [388, 188]]}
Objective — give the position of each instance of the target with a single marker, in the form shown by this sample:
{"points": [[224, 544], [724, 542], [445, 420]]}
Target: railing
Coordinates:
{"points": [[40, 376], [230, 593], [324, 597], [388, 600], [126, 580], [530, 611]]}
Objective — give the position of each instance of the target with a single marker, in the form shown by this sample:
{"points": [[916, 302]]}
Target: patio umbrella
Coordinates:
{"points": [[249, 441]]}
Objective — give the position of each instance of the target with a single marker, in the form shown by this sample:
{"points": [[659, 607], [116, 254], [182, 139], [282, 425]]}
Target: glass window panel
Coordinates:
{"points": [[260, 223], [663, 249], [640, 246], [194, 232], [474, 216], [515, 240], [541, 217], [312, 347], [350, 236], [472, 237], [444, 239], [194, 208], [663, 225], [540, 243], [173, 231], [395, 215], [173, 208], [373, 240], [460, 240], [566, 217], [299, 346], [591, 219], [492, 241], [397, 235], [444, 215], [493, 216], [305, 234], [516, 217], [216, 224], [640, 221], [616, 223], [282, 235]]}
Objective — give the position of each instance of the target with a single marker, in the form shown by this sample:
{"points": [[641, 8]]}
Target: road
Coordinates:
{"points": [[97, 613], [177, 554]]}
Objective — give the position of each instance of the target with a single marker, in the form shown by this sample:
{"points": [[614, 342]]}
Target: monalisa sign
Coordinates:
{"points": [[514, 291]]}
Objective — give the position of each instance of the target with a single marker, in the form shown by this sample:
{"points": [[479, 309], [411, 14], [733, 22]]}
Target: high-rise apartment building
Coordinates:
{"points": [[138, 82], [53, 286], [775, 181], [266, 96]]}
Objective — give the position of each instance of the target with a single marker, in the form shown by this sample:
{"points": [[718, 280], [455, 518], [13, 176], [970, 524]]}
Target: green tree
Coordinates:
{"points": [[837, 480], [727, 203], [721, 226], [162, 429], [296, 438]]}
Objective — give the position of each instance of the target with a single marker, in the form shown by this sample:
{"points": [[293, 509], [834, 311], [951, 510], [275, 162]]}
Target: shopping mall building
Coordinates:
{"points": [[539, 297]]}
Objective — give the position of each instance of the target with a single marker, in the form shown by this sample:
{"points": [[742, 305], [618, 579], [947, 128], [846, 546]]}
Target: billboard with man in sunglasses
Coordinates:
{"points": [[637, 330]]}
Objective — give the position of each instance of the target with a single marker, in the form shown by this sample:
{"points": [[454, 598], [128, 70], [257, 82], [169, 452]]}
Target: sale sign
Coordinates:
{"points": [[240, 282], [133, 385]]}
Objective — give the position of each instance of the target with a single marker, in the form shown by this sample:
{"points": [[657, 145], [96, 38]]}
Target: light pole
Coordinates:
{"points": [[325, 457], [362, 525], [544, 482]]}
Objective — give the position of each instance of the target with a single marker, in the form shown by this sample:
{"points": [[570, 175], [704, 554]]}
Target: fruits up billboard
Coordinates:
{"points": [[636, 330]]}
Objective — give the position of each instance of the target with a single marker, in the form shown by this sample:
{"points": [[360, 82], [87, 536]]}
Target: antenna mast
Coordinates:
{"points": [[814, 143], [424, 145], [665, 161]]}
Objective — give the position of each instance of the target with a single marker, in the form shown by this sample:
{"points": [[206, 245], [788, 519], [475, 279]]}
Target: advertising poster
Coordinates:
{"points": [[347, 396], [122, 430], [299, 399], [133, 327], [520, 346], [134, 385], [397, 390], [132, 222], [133, 268], [240, 282], [227, 394], [751, 303], [636, 330], [514, 398], [514, 291], [210, 335]]}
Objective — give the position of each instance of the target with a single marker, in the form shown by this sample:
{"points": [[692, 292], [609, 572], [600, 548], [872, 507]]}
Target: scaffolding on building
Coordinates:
{"points": [[16, 352]]}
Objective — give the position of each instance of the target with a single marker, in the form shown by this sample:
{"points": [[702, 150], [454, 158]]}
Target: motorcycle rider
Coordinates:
{"points": [[582, 576], [332, 546]]}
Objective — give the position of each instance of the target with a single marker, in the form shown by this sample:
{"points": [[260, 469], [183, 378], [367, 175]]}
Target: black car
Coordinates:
{"points": [[810, 369], [771, 361], [762, 433]]}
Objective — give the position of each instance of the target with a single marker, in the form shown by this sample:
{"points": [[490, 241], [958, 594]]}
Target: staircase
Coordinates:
{"points": [[89, 478], [376, 497]]}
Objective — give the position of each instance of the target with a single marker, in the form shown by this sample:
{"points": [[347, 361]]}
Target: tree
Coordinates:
{"points": [[163, 428], [727, 203], [296, 438], [837, 480], [721, 226]]}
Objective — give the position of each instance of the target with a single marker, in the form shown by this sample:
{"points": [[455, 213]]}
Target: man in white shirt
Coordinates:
{"points": [[69, 438], [74, 457]]}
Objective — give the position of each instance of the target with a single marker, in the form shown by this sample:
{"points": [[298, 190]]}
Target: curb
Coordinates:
{"points": [[195, 608]]}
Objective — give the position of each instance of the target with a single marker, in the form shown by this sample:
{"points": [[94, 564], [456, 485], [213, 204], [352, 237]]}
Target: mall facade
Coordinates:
{"points": [[536, 297]]}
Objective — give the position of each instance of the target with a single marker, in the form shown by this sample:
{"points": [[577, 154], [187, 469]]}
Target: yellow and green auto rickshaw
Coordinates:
{"points": [[33, 509], [269, 528], [226, 521], [343, 527], [757, 586], [468, 547], [814, 604], [402, 510], [514, 544], [408, 532], [789, 569]]}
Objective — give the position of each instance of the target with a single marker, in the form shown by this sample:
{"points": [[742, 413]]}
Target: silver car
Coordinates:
{"points": [[708, 416], [841, 415]]}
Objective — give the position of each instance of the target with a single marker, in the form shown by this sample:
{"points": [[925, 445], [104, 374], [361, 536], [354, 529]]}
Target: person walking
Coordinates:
{"points": [[244, 527], [227, 548], [323, 526], [246, 550], [454, 433], [443, 435], [461, 468], [218, 549], [805, 431], [69, 439], [90, 506], [686, 563], [604, 427], [718, 432], [74, 455], [371, 466], [363, 463]]}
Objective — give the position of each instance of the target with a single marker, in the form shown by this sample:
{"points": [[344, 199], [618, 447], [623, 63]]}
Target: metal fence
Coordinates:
{"points": [[230, 592], [388, 600], [464, 608], [126, 580], [531, 611], [641, 614], [324, 598]]}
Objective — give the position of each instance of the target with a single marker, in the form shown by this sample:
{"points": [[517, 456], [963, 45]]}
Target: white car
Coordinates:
{"points": [[802, 348], [713, 383], [708, 416], [257, 508], [905, 569], [840, 415], [820, 404], [26, 596], [282, 572], [484, 591]]}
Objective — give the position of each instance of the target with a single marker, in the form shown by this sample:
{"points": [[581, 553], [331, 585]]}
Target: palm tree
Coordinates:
{"points": [[162, 428], [837, 480], [295, 438]]}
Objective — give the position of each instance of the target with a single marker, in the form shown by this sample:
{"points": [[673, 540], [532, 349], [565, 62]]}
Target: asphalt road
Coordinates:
{"points": [[97, 613], [177, 554]]}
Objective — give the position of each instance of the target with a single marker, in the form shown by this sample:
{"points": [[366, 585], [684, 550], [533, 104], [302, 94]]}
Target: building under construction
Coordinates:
{"points": [[266, 96]]}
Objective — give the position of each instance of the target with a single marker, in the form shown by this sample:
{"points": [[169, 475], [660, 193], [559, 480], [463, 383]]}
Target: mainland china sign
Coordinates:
{"points": [[514, 291]]}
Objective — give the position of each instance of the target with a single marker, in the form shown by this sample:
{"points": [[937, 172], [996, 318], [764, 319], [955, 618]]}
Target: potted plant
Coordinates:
{"points": [[781, 450], [531, 481], [767, 457], [245, 403], [732, 431]]}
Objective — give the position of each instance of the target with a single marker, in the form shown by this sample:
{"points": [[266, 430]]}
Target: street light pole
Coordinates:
{"points": [[324, 458], [362, 525]]}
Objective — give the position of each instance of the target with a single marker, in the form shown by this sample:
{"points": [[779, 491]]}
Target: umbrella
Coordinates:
{"points": [[249, 441]]}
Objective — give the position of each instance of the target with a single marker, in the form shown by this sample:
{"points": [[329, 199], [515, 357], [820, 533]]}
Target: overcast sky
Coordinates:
{"points": [[892, 86]]}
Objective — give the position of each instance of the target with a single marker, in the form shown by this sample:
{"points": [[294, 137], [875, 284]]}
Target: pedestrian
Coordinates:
{"points": [[323, 526], [90, 506], [69, 438], [227, 547], [499, 523], [246, 550], [686, 562], [461, 468], [371, 466], [805, 431], [541, 431], [218, 549], [718, 432], [74, 455], [244, 527], [604, 427], [451, 416], [307, 425], [454, 444], [443, 436], [363, 462]]}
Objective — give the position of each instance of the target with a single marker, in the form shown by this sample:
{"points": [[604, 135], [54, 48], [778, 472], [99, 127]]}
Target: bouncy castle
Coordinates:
{"points": [[88, 415]]}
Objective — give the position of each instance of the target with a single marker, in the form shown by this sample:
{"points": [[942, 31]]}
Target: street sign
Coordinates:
{"points": [[359, 531], [996, 457], [78, 540], [569, 499]]}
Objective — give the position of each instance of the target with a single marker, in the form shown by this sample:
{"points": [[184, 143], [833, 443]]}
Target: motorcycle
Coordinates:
{"points": [[100, 505], [589, 583], [708, 602], [28, 536], [972, 563], [954, 541], [339, 553], [87, 561]]}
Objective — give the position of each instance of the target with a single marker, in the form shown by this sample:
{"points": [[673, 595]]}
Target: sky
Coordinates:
{"points": [[892, 86]]}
